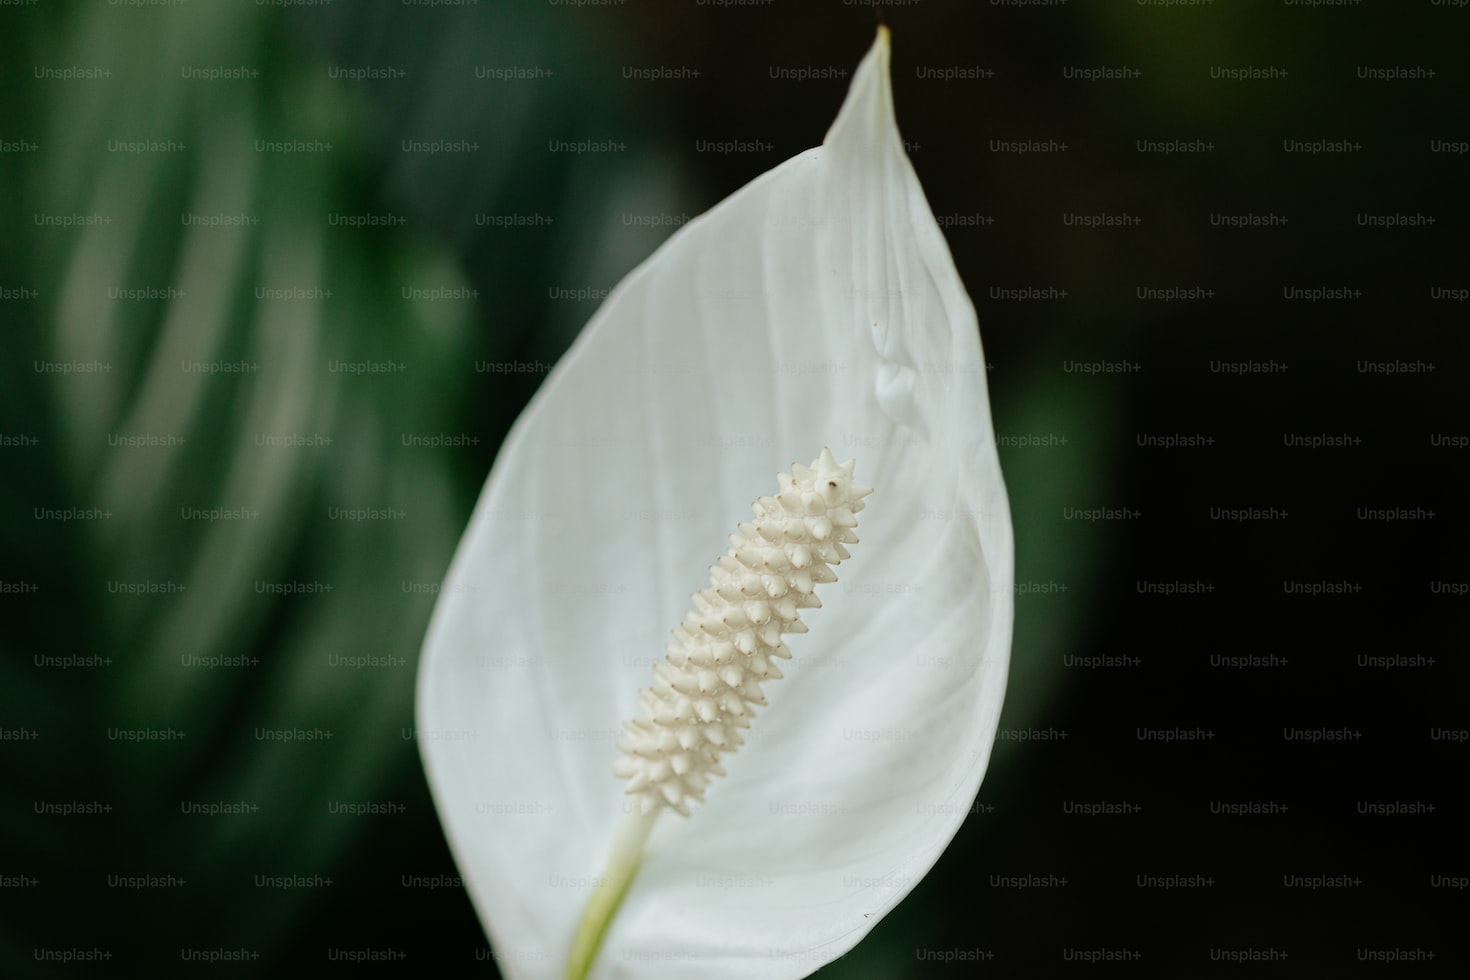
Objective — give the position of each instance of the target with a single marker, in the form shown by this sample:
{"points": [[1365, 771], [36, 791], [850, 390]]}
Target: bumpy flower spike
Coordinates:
{"points": [[708, 688]]}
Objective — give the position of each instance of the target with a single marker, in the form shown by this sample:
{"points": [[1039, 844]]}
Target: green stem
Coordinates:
{"points": [[622, 867]]}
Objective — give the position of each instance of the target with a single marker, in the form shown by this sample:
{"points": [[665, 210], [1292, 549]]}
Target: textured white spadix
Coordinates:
{"points": [[708, 688], [817, 306]]}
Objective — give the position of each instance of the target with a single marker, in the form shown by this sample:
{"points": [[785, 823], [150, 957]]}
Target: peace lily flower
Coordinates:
{"points": [[817, 306]]}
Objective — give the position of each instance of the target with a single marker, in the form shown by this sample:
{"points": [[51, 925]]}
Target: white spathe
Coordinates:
{"points": [[817, 306]]}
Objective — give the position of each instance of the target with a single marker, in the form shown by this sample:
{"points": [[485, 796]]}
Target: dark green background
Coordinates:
{"points": [[61, 448]]}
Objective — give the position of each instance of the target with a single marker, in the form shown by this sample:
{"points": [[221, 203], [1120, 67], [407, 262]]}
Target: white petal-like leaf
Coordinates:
{"points": [[817, 306]]}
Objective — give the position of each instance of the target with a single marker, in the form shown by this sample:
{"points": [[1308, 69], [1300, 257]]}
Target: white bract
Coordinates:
{"points": [[817, 306]]}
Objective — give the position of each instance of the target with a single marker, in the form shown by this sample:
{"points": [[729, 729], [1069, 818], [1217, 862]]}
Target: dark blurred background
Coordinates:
{"points": [[260, 345]]}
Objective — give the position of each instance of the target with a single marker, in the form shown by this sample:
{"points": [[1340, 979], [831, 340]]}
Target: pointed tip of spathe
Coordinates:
{"points": [[867, 112], [882, 48]]}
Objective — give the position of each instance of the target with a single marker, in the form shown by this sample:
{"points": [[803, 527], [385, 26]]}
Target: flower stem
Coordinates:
{"points": [[622, 867]]}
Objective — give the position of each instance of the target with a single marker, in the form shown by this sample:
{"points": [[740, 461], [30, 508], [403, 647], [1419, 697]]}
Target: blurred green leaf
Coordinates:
{"points": [[221, 630]]}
